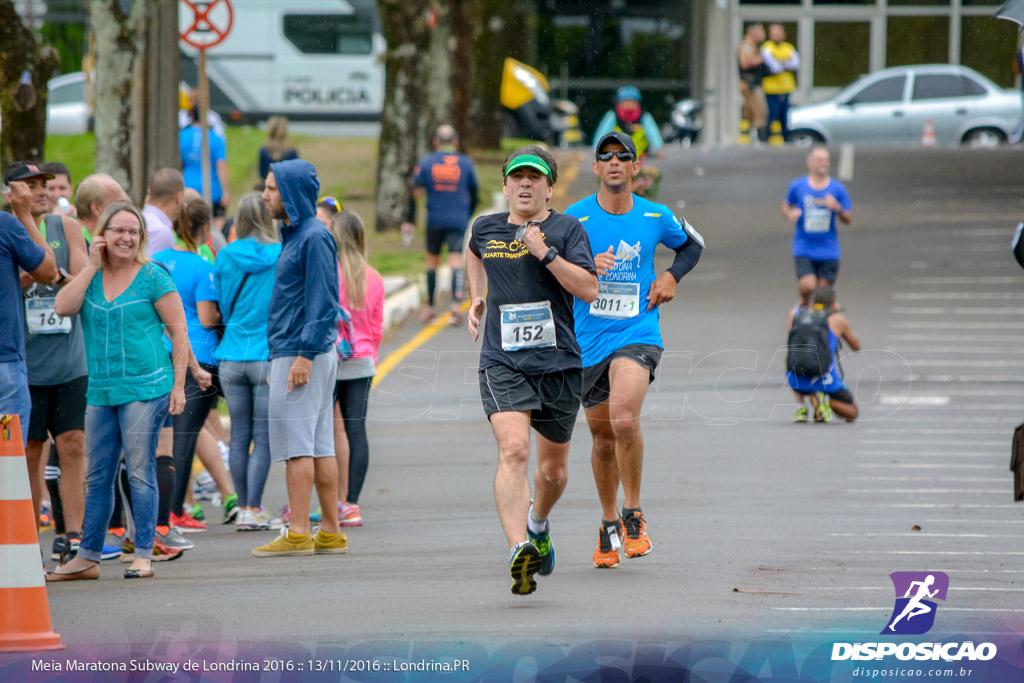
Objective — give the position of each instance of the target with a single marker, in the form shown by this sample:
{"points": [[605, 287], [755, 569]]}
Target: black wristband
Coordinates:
{"points": [[549, 257]]}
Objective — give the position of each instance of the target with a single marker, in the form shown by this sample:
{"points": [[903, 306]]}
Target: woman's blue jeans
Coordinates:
{"points": [[132, 428]]}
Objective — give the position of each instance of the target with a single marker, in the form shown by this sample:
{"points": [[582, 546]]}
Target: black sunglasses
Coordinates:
{"points": [[622, 156], [522, 229]]}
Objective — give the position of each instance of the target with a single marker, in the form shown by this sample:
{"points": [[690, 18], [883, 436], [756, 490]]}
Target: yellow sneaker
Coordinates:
{"points": [[330, 544], [286, 545]]}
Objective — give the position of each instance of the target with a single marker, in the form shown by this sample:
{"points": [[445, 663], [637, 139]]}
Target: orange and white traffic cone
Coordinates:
{"points": [[928, 134], [24, 608]]}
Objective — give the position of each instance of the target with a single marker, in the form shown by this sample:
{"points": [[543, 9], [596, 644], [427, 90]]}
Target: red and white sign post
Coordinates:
{"points": [[209, 24]]}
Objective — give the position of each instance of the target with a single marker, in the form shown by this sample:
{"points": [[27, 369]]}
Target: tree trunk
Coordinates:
{"points": [[120, 39], [22, 106], [155, 137], [500, 32]]}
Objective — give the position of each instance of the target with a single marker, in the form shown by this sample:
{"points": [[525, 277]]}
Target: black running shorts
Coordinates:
{"points": [[552, 399], [436, 237], [596, 383], [57, 409]]}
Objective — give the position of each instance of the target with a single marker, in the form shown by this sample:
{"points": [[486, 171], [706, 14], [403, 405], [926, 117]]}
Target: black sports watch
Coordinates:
{"points": [[549, 257], [64, 275]]}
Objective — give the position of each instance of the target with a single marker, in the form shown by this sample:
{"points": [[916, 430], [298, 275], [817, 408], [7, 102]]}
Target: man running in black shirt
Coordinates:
{"points": [[531, 262]]}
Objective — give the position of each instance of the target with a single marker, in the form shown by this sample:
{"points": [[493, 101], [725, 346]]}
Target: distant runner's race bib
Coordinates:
{"points": [[616, 300], [817, 219], [42, 319], [527, 326]]}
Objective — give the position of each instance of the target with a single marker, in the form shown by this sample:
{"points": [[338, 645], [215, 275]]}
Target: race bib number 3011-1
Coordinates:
{"points": [[616, 300], [42, 319], [527, 326]]}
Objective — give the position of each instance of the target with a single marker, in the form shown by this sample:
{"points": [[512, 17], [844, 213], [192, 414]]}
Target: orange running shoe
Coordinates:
{"points": [[636, 541], [609, 540]]}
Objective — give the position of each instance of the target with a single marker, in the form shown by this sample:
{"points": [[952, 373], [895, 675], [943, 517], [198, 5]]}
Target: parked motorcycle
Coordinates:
{"points": [[685, 123]]}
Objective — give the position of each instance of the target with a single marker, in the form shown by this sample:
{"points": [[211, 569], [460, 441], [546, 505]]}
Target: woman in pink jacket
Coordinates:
{"points": [[359, 334]]}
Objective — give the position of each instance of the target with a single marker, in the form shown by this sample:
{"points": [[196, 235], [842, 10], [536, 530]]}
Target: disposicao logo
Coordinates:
{"points": [[914, 612]]}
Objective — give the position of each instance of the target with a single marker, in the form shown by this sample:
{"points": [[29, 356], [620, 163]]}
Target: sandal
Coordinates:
{"points": [[90, 572]]}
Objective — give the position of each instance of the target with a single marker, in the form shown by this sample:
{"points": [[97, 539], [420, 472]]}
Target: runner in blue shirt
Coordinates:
{"points": [[449, 180], [813, 203], [619, 333]]}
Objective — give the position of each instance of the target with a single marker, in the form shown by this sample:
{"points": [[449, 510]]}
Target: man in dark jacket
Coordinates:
{"points": [[301, 332]]}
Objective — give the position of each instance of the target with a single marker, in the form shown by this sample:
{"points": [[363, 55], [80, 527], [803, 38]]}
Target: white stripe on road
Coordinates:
{"points": [[962, 363], [918, 534], [932, 454], [20, 565], [14, 479], [956, 296], [844, 169], [926, 430], [937, 506], [927, 466], [976, 480], [955, 325], [1011, 348], [900, 441], [958, 310], [888, 608], [934, 401], [962, 280], [974, 522], [965, 589], [952, 338], [971, 553], [986, 492]]}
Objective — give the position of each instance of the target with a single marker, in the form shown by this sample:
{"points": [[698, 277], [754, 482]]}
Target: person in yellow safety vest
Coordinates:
{"points": [[782, 61], [629, 118]]}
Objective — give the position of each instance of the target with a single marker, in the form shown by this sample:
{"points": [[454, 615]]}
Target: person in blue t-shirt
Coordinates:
{"points": [[193, 275], [21, 246], [619, 333], [813, 203], [449, 179], [190, 140], [828, 393]]}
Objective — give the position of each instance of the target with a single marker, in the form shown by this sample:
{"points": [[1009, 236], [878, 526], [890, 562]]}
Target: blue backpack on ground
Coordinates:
{"points": [[809, 353]]}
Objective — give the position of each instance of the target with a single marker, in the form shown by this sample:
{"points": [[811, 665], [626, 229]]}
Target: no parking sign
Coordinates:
{"points": [[206, 23]]}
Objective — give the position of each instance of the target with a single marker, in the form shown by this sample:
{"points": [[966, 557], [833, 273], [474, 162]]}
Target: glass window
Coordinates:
{"points": [[840, 52], [971, 87], [67, 93], [917, 40], [330, 34], [918, 3], [988, 46], [937, 86], [886, 90], [846, 2]]}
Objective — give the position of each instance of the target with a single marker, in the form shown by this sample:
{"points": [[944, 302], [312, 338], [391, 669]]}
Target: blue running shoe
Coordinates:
{"points": [[111, 552], [524, 564], [316, 517], [544, 546]]}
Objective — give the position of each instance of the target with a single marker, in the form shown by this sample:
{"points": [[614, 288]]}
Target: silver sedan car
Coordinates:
{"points": [[893, 106]]}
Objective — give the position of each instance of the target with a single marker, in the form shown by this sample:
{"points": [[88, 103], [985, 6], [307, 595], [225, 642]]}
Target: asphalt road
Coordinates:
{"points": [[760, 527]]}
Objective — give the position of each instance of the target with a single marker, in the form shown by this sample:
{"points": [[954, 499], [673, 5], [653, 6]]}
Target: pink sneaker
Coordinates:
{"points": [[348, 515]]}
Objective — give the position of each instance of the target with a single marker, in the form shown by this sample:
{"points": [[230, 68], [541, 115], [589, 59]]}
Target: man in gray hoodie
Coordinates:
{"points": [[301, 332]]}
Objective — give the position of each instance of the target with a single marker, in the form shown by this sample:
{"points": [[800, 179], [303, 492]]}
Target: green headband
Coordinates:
{"points": [[530, 160]]}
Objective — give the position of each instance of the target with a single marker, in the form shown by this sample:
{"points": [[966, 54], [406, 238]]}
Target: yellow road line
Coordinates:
{"points": [[422, 337], [427, 333]]}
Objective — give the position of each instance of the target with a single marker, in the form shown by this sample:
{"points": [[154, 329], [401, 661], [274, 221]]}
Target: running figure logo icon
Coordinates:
{"points": [[914, 612]]}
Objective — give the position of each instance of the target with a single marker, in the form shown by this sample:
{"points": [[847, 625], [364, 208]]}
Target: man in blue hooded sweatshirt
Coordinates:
{"points": [[301, 332]]}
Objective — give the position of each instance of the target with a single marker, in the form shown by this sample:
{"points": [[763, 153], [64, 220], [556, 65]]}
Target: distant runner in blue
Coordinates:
{"points": [[813, 203], [449, 180], [620, 336]]}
